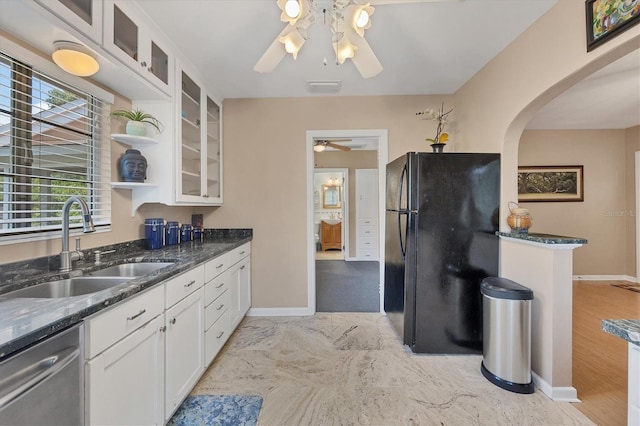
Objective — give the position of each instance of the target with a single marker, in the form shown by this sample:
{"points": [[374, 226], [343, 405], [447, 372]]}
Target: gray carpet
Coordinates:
{"points": [[347, 286]]}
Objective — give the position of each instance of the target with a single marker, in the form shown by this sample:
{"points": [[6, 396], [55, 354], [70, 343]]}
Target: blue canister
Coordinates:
{"points": [[197, 234], [185, 233], [172, 234], [153, 233]]}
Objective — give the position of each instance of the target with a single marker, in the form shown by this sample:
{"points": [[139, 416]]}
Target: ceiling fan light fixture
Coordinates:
{"points": [[292, 8], [318, 147], [292, 41], [360, 17], [74, 58], [344, 50]]}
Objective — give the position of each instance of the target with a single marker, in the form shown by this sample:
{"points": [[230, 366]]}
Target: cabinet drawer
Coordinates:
{"points": [[239, 253], [215, 337], [216, 287], [367, 231], [183, 285], [367, 243], [106, 328], [216, 309], [368, 254], [367, 221], [215, 267]]}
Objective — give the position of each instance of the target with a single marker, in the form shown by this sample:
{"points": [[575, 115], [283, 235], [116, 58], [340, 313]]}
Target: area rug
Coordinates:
{"points": [[218, 410], [631, 287]]}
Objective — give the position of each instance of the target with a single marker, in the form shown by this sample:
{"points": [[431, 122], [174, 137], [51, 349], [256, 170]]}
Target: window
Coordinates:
{"points": [[52, 146]]}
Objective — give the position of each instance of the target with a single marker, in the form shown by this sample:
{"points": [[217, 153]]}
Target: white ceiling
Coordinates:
{"points": [[425, 47]]}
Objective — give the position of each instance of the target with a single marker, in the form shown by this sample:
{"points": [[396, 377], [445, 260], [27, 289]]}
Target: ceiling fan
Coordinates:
{"points": [[348, 20], [320, 145]]}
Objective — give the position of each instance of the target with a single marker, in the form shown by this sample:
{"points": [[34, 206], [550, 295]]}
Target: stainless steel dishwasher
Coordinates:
{"points": [[42, 385]]}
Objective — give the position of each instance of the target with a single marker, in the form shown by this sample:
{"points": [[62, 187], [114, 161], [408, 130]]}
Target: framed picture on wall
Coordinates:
{"points": [[550, 183], [608, 18]]}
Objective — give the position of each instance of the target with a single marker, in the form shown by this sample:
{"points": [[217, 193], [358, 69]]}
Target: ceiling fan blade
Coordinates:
{"points": [[272, 56], [365, 60], [340, 147]]}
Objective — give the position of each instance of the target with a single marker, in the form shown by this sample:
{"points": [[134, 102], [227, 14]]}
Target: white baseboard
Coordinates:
{"points": [[563, 394], [357, 259], [605, 278], [280, 312]]}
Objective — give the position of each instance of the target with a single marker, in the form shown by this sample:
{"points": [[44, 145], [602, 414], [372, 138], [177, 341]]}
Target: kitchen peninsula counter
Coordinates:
{"points": [[26, 321], [629, 330]]}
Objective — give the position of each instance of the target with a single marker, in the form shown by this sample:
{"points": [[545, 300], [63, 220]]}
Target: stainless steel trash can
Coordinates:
{"points": [[506, 332]]}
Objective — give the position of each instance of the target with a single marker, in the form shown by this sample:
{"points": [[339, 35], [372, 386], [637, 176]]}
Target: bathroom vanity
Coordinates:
{"points": [[331, 234]]}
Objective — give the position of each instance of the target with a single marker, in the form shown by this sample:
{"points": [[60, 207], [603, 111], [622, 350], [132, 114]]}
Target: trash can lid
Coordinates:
{"points": [[503, 288]]}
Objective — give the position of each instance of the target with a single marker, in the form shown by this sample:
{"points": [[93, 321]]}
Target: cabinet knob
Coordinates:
{"points": [[163, 329], [150, 69], [172, 321], [143, 63]]}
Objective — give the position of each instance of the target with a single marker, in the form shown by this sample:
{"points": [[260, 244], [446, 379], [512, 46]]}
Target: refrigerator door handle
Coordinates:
{"points": [[403, 248], [401, 187]]}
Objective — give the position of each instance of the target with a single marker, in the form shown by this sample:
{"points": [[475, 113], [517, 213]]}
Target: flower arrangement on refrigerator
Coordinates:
{"points": [[440, 116]]}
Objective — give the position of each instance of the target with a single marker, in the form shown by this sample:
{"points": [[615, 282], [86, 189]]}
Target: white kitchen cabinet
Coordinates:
{"points": [[367, 214], [124, 369], [240, 287], [198, 151], [125, 383], [184, 350], [188, 167], [83, 15], [134, 41]]}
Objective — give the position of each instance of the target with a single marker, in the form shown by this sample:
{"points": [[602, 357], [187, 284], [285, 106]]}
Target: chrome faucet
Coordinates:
{"points": [[67, 257]]}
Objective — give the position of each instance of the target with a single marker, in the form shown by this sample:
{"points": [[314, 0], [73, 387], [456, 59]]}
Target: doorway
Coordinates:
{"points": [[331, 213], [381, 141]]}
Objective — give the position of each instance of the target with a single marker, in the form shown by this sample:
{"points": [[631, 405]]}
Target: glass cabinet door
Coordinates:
{"points": [[125, 33], [159, 63], [191, 138], [213, 149], [83, 15]]}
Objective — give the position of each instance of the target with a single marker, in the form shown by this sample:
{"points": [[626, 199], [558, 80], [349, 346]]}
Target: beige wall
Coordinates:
{"points": [[599, 218], [265, 174], [632, 139], [494, 107], [349, 160]]}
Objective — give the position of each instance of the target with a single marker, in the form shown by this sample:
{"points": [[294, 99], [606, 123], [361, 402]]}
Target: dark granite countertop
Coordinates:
{"points": [[627, 329], [544, 238], [26, 321]]}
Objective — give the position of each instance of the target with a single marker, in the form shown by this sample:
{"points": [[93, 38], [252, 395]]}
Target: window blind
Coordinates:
{"points": [[54, 143]]}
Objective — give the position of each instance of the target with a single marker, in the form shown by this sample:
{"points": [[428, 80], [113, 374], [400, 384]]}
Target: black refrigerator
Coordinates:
{"points": [[442, 212]]}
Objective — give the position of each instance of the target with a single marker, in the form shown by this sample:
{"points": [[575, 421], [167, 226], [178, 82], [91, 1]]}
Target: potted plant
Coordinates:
{"points": [[138, 120], [438, 142]]}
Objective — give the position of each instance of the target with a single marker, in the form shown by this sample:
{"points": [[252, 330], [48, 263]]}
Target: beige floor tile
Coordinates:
{"points": [[351, 369]]}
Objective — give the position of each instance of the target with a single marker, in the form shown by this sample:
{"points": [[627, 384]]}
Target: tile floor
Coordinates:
{"points": [[348, 368]]}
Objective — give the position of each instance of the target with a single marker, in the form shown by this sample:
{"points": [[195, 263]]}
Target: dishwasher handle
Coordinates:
{"points": [[27, 378]]}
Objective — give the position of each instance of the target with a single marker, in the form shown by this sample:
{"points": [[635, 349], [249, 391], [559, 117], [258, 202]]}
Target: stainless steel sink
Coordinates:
{"points": [[130, 269], [66, 288]]}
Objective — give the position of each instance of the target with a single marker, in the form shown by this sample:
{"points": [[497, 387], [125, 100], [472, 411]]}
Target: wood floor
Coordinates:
{"points": [[600, 359]]}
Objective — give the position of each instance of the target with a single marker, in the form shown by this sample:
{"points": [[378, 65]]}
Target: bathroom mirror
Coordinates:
{"points": [[331, 197]]}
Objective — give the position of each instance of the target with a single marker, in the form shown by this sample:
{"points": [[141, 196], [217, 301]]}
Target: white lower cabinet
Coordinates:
{"points": [[124, 384], [144, 355], [184, 349]]}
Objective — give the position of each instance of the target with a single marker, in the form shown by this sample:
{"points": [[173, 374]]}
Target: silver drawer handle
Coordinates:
{"points": [[242, 252], [220, 335], [243, 266], [136, 315], [190, 284], [220, 266], [220, 307], [220, 285]]}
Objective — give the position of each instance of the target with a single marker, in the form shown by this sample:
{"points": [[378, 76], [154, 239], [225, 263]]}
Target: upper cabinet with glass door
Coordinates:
{"points": [[129, 37], [83, 15], [199, 150]]}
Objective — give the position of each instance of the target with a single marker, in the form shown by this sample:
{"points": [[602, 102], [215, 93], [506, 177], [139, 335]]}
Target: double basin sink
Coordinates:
{"points": [[92, 282]]}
